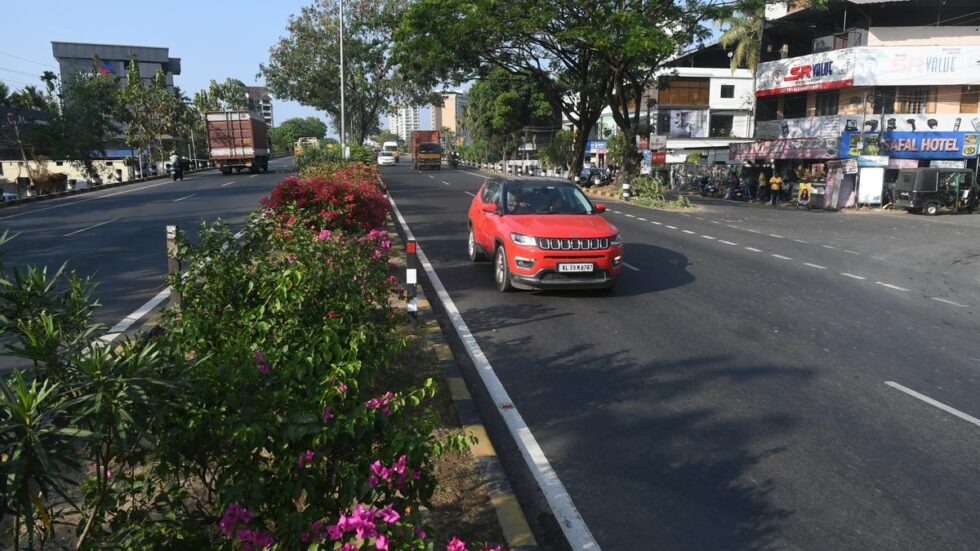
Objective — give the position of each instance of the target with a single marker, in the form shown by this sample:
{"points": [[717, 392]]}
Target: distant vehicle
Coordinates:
{"points": [[929, 190], [593, 176], [238, 140], [392, 147], [305, 143], [386, 158], [7, 196], [426, 149], [543, 234]]}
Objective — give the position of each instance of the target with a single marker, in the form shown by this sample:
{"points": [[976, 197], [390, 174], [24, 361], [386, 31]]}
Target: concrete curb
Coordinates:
{"points": [[510, 515]]}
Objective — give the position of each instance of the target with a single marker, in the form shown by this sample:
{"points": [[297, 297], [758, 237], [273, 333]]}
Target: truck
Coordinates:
{"points": [[307, 142], [426, 149], [238, 140]]}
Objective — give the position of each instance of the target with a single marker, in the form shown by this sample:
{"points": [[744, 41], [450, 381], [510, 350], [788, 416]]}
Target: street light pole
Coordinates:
{"points": [[343, 129]]}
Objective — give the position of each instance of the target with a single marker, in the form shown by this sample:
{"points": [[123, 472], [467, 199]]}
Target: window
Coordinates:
{"points": [[916, 100], [970, 99], [828, 103], [721, 126], [683, 91], [883, 102], [766, 108], [491, 193], [794, 106], [728, 90]]}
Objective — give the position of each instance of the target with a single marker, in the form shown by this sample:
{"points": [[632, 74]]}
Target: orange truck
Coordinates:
{"points": [[238, 140], [426, 149]]}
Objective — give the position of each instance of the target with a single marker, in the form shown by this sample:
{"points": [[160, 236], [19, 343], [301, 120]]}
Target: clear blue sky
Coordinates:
{"points": [[214, 39]]}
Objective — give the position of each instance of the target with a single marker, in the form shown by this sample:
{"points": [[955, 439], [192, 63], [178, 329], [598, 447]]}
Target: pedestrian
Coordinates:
{"points": [[775, 187], [763, 185]]}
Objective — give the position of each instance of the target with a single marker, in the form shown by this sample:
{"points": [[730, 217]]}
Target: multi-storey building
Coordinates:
{"points": [[259, 101], [404, 121], [449, 114], [847, 96], [112, 59]]}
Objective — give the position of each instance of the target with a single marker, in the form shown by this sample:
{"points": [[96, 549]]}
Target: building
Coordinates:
{"points": [[259, 101], [847, 96], [112, 59], [450, 113], [405, 121]]}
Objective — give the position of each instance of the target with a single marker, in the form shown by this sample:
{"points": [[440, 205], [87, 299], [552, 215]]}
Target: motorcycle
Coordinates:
{"points": [[709, 189]]}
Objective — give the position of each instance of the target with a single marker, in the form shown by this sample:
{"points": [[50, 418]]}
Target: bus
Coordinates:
{"points": [[392, 147], [303, 143]]}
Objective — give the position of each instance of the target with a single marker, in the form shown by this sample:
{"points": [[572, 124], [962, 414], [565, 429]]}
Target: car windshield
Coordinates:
{"points": [[544, 199], [384, 154]]}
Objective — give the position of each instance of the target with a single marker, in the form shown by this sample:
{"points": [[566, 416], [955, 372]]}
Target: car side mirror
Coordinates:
{"points": [[599, 208], [489, 207]]}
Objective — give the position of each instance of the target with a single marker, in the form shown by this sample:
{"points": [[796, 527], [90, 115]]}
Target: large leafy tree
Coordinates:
{"points": [[87, 122], [549, 41], [285, 135], [501, 106], [230, 95], [149, 110], [305, 64]]}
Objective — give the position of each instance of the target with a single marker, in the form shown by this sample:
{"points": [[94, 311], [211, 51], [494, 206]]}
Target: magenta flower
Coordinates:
{"points": [[335, 531], [327, 415], [263, 363], [389, 515], [385, 244], [381, 542], [304, 537], [383, 403], [324, 234], [304, 459], [290, 259], [456, 544], [108, 473], [419, 532]]}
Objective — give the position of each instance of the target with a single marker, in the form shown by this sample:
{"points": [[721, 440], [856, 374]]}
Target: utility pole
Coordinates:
{"points": [[343, 130]]}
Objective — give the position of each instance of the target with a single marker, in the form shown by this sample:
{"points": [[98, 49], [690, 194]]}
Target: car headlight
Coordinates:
{"points": [[615, 240], [523, 240]]}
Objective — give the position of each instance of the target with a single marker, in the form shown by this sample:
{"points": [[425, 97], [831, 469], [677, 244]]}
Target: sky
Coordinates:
{"points": [[214, 39]]}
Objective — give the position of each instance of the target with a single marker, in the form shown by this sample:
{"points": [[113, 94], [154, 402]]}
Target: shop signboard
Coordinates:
{"points": [[658, 157], [879, 161], [911, 145], [657, 142], [821, 71], [916, 65], [948, 164], [642, 142], [595, 147], [809, 127], [795, 148], [903, 163], [850, 166]]}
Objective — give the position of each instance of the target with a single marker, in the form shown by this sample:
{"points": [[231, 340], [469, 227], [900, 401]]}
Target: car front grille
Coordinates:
{"points": [[562, 244]]}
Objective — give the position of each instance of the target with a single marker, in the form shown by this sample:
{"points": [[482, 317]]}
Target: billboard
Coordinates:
{"points": [[793, 148], [916, 65], [911, 145], [810, 127], [682, 123], [822, 71]]}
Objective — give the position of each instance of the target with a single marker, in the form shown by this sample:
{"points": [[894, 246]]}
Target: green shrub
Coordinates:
{"points": [[652, 191]]}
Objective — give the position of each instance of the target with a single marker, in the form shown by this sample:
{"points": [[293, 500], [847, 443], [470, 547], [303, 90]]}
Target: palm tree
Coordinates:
{"points": [[4, 94], [49, 79], [29, 97], [744, 32]]}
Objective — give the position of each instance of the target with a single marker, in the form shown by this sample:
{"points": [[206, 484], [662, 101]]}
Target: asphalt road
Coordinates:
{"points": [[731, 392], [117, 235]]}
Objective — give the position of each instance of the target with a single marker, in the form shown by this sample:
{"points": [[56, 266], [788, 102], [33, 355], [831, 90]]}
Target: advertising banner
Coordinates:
{"points": [[642, 142], [911, 145], [595, 147], [809, 127], [916, 65], [657, 142], [794, 148], [683, 123], [822, 71]]}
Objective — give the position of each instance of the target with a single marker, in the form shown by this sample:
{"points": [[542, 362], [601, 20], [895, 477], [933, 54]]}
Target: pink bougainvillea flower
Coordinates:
{"points": [[456, 544], [389, 515], [263, 363], [304, 537], [324, 234], [108, 473], [486, 547], [304, 459], [419, 532], [335, 532], [327, 415], [381, 542], [342, 387], [331, 314]]}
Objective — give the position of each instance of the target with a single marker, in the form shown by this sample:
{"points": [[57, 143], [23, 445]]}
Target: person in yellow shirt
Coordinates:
{"points": [[775, 185]]}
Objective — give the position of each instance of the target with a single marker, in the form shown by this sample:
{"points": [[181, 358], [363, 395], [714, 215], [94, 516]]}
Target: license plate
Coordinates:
{"points": [[577, 267]]}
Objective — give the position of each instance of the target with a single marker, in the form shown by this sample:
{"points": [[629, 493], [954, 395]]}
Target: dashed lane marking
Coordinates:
{"points": [[470, 194], [828, 246], [776, 236], [951, 303], [445, 182], [672, 227], [817, 266], [699, 218], [657, 223], [184, 197], [893, 287], [630, 216], [753, 249], [732, 227], [851, 252], [753, 231], [728, 242], [781, 257], [226, 184], [641, 219], [76, 232], [800, 241], [852, 276], [935, 403], [631, 267], [715, 222], [707, 237], [688, 231]]}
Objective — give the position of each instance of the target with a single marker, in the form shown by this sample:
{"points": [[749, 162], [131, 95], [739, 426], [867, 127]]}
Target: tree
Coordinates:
{"points": [[743, 30], [31, 97], [4, 94], [304, 65], [385, 135], [546, 40], [448, 138], [87, 122], [148, 110], [285, 135], [559, 153]]}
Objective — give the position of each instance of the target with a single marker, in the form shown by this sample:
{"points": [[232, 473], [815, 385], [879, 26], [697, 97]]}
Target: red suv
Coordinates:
{"points": [[543, 234]]}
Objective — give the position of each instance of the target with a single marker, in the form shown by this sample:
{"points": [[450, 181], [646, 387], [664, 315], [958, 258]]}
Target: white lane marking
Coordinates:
{"points": [[852, 276], [630, 216], [576, 531], [727, 242], [431, 176], [475, 174], [828, 247], [631, 267], [817, 266], [686, 215], [776, 236], [445, 182], [753, 249], [878, 257], [615, 211], [707, 237], [890, 286], [83, 200], [672, 227], [688, 231], [851, 252], [184, 197], [753, 231], [129, 320], [951, 303], [657, 223], [90, 227], [715, 222], [699, 218], [781, 257], [226, 184], [470, 194], [800, 241], [253, 175], [732, 227], [935, 403], [641, 219]]}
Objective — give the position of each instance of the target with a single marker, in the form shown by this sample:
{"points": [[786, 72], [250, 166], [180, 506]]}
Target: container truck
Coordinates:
{"points": [[238, 140], [426, 149]]}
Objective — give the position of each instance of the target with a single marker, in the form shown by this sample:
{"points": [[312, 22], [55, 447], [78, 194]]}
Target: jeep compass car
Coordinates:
{"points": [[543, 234]]}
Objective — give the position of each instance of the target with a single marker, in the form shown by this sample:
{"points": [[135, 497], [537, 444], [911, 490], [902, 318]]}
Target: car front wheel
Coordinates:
{"points": [[501, 273]]}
